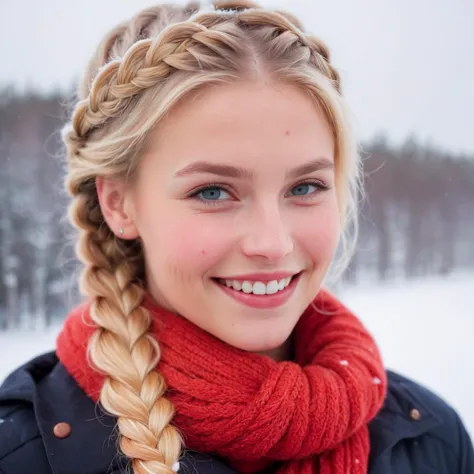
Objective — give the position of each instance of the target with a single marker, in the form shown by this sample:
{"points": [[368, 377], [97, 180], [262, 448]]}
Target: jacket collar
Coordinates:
{"points": [[89, 424], [56, 398], [406, 414]]}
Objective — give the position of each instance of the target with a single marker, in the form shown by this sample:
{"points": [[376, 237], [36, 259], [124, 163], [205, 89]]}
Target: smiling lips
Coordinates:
{"points": [[257, 287], [260, 290]]}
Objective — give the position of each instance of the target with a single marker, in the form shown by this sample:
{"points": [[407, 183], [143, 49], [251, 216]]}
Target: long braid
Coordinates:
{"points": [[136, 57], [121, 346]]}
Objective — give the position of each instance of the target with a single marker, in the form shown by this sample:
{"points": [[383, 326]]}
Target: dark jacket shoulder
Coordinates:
{"points": [[20, 434], [417, 426], [41, 394]]}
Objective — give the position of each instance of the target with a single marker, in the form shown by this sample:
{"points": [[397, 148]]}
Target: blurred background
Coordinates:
{"points": [[408, 72]]}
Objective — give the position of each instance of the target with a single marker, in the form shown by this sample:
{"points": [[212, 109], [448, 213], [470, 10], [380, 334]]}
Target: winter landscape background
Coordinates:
{"points": [[412, 279]]}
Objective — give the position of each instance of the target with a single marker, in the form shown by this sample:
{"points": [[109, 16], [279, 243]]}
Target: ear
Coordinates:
{"points": [[117, 208]]}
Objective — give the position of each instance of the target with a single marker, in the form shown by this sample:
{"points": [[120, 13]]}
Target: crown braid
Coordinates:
{"points": [[203, 41]]}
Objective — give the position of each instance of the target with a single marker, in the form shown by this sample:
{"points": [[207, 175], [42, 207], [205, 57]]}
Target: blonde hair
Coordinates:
{"points": [[140, 71]]}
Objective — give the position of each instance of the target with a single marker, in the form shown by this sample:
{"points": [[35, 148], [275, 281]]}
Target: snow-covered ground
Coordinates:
{"points": [[425, 330]]}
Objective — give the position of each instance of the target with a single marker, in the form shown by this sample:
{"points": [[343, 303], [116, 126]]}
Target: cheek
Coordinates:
{"points": [[178, 240], [193, 245], [319, 235]]}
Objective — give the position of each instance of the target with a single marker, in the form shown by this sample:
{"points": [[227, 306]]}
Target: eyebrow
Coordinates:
{"points": [[230, 171]]}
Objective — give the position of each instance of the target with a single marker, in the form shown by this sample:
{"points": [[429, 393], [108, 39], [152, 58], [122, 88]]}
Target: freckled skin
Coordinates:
{"points": [[258, 225]]}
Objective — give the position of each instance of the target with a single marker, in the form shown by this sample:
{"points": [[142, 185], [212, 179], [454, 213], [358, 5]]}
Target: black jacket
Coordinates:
{"points": [[415, 433]]}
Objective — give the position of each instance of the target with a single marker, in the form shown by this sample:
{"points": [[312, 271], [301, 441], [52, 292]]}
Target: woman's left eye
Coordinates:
{"points": [[305, 189]]}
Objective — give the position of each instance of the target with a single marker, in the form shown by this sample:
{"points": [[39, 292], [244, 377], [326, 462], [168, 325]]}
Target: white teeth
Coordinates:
{"points": [[272, 287], [236, 285], [258, 287]]}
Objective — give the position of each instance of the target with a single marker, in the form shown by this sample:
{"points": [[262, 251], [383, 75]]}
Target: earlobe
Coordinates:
{"points": [[113, 197]]}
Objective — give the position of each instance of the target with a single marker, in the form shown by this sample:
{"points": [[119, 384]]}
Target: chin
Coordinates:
{"points": [[262, 342]]}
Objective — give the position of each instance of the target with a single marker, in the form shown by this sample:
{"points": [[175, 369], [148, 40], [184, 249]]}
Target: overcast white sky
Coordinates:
{"points": [[408, 65]]}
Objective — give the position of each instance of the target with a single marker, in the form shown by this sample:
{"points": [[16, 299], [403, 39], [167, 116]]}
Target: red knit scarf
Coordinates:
{"points": [[307, 416]]}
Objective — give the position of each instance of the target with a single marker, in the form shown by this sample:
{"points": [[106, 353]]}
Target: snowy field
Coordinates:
{"points": [[425, 330]]}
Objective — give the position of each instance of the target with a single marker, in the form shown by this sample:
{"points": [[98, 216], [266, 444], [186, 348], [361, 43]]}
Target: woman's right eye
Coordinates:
{"points": [[211, 194]]}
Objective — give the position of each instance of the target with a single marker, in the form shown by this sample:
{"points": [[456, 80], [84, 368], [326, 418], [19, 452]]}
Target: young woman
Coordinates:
{"points": [[214, 177]]}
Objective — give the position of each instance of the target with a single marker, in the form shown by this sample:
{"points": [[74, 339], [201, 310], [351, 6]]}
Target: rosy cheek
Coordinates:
{"points": [[321, 233], [197, 245]]}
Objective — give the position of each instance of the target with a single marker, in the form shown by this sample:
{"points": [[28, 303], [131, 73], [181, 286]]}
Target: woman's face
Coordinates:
{"points": [[236, 207]]}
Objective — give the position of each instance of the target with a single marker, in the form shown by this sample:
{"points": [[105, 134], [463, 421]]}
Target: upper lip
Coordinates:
{"points": [[260, 276]]}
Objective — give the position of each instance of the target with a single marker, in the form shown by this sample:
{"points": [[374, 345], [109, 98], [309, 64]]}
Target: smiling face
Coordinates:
{"points": [[235, 203]]}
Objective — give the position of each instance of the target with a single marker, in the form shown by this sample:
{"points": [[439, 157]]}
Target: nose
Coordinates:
{"points": [[267, 236]]}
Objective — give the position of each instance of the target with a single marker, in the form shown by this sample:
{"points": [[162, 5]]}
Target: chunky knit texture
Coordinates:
{"points": [[305, 416]]}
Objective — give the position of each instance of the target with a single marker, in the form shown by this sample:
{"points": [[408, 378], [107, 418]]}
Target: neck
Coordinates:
{"points": [[280, 353]]}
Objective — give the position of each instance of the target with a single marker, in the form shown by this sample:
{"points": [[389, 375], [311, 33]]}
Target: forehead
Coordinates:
{"points": [[253, 125]]}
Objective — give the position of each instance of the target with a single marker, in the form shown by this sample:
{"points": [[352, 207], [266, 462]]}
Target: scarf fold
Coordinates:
{"points": [[309, 416]]}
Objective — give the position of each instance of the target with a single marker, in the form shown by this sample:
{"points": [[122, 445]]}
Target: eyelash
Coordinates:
{"points": [[321, 187]]}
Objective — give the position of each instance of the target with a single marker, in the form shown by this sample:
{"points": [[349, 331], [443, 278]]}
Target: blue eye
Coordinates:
{"points": [[213, 193], [304, 189]]}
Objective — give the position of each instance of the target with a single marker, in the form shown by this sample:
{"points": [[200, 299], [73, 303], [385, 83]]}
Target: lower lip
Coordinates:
{"points": [[262, 301]]}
